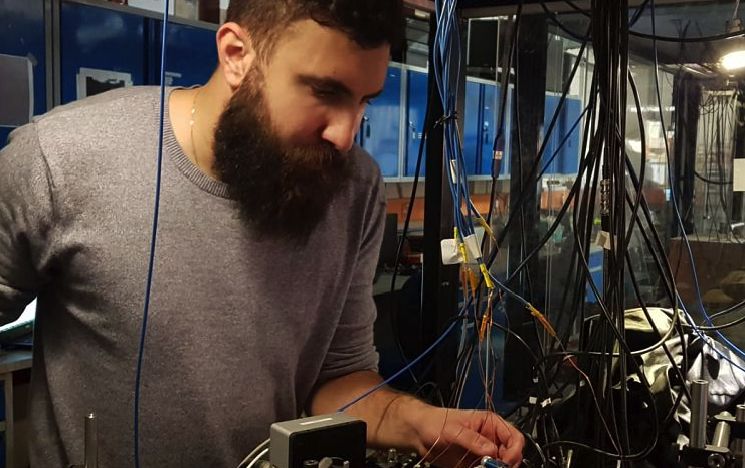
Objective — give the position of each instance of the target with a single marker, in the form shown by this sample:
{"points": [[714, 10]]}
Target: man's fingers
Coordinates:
{"points": [[512, 452], [474, 442], [509, 439]]}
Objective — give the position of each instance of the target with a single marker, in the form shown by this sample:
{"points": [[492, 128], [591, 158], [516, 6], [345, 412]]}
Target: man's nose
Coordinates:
{"points": [[340, 131]]}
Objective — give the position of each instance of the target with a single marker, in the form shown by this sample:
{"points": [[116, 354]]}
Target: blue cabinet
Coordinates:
{"points": [[381, 125], [191, 55], [562, 143], [22, 37], [491, 107], [121, 49], [595, 262], [480, 126], [472, 123], [490, 95], [550, 140], [416, 108], [110, 47], [570, 151]]}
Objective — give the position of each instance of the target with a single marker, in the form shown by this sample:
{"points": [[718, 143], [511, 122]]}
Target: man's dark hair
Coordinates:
{"points": [[369, 23]]}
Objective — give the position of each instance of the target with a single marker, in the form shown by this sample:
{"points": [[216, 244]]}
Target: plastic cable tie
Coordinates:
{"points": [[446, 117]]}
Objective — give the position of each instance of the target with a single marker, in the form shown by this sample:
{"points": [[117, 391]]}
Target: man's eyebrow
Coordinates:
{"points": [[333, 85]]}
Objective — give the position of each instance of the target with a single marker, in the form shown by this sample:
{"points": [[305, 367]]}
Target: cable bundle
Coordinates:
{"points": [[608, 185], [584, 364]]}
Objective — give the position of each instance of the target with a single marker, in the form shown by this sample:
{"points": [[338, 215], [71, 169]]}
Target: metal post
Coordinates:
{"points": [[699, 408], [740, 444], [687, 92], [722, 432], [738, 200], [91, 441], [531, 58], [439, 282]]}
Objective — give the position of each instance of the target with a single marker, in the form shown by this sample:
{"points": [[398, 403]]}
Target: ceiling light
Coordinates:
{"points": [[733, 61], [733, 55]]}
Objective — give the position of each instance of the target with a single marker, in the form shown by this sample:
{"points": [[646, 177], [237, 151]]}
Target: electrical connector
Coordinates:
{"points": [[486, 227], [489, 462], [487, 276], [542, 320]]}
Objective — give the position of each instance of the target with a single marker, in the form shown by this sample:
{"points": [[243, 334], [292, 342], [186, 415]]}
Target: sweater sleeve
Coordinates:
{"points": [[352, 348], [25, 220]]}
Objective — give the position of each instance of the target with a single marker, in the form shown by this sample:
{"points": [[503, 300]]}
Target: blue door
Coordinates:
{"points": [[108, 45], [472, 121], [595, 262], [492, 100], [492, 107], [191, 55], [416, 106], [569, 153], [553, 138], [506, 129], [381, 124], [22, 38]]}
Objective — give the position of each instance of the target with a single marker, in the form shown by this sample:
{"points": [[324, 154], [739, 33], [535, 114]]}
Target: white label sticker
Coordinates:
{"points": [[739, 175], [603, 240], [450, 253], [472, 247]]}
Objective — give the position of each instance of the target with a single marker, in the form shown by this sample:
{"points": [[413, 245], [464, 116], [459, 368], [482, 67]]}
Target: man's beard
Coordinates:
{"points": [[283, 191]]}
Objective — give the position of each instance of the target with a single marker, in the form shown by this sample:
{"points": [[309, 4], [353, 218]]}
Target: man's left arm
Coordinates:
{"points": [[395, 419], [402, 421]]}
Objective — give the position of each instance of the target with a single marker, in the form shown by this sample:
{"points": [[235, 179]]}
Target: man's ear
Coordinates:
{"points": [[235, 52]]}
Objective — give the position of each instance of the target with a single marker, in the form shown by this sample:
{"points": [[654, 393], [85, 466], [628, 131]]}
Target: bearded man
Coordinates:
{"points": [[270, 222]]}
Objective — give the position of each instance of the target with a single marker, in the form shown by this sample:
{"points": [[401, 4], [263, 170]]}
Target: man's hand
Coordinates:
{"points": [[449, 437]]}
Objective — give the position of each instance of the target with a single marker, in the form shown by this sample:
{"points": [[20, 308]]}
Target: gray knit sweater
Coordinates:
{"points": [[239, 331]]}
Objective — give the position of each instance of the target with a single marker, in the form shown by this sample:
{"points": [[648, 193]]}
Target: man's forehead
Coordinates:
{"points": [[327, 56]]}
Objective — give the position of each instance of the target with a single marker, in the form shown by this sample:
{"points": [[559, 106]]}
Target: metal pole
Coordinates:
{"points": [[722, 432], [91, 441], [740, 444], [699, 408]]}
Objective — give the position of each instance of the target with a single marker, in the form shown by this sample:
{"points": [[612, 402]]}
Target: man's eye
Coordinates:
{"points": [[324, 93]]}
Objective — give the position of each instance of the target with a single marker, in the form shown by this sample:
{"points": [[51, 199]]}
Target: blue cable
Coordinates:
{"points": [[151, 261], [453, 158], [448, 71], [390, 379]]}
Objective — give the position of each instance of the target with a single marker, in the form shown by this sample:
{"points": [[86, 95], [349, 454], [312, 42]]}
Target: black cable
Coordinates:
{"points": [[554, 19], [658, 253], [427, 124], [728, 310], [723, 326], [709, 181], [538, 448], [609, 128], [643, 306], [635, 456], [685, 40], [532, 175]]}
